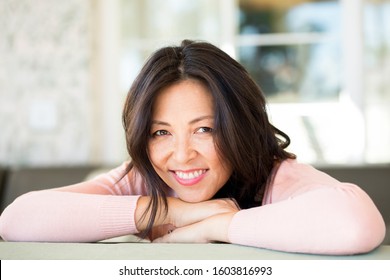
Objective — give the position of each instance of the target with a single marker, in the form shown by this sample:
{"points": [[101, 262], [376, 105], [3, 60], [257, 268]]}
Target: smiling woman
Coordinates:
{"points": [[182, 150], [206, 165]]}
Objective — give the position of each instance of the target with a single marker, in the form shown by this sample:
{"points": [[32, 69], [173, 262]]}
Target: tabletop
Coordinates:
{"points": [[153, 251]]}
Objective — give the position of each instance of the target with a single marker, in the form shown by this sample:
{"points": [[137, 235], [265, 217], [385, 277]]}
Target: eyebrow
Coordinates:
{"points": [[157, 122]]}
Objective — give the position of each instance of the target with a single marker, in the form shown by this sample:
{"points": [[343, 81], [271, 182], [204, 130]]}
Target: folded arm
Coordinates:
{"points": [[98, 209], [54, 216], [88, 211], [326, 220]]}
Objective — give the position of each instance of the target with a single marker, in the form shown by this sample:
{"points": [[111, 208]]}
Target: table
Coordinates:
{"points": [[152, 251]]}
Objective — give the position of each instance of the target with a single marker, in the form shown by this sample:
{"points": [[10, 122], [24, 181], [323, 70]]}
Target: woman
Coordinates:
{"points": [[206, 165]]}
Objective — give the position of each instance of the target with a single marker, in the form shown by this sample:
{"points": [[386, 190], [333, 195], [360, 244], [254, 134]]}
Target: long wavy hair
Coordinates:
{"points": [[243, 135]]}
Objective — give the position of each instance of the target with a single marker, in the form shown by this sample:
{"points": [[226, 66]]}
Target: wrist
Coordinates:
{"points": [[143, 213], [217, 227], [140, 216]]}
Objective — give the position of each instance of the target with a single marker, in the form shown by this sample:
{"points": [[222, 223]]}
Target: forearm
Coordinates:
{"points": [[207, 222], [53, 216], [216, 228], [143, 212], [180, 213], [322, 221]]}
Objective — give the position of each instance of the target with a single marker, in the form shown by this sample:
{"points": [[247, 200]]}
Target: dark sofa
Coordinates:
{"points": [[374, 179]]}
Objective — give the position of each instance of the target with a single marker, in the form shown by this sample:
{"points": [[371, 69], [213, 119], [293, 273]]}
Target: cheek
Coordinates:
{"points": [[221, 167], [205, 146], [155, 153], [211, 153]]}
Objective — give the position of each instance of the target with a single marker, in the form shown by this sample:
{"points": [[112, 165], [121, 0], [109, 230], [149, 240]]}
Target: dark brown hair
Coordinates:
{"points": [[242, 131]]}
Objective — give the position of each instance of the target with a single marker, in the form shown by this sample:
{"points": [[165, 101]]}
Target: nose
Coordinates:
{"points": [[183, 150]]}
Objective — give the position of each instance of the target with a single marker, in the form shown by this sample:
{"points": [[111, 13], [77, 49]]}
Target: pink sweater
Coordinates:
{"points": [[304, 210]]}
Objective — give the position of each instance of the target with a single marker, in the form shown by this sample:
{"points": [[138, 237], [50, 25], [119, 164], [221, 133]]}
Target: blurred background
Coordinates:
{"points": [[66, 66]]}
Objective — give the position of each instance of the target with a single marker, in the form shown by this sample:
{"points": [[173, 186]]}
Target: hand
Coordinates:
{"points": [[182, 213], [214, 228], [159, 231]]}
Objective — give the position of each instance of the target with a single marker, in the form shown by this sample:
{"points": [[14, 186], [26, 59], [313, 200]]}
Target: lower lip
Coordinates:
{"points": [[189, 182]]}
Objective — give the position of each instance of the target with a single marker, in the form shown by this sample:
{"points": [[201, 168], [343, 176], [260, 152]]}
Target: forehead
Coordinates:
{"points": [[183, 98]]}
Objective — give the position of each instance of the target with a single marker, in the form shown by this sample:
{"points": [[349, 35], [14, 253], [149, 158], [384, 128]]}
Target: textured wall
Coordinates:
{"points": [[44, 82]]}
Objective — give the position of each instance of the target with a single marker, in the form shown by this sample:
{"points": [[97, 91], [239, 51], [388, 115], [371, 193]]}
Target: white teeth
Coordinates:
{"points": [[189, 175]]}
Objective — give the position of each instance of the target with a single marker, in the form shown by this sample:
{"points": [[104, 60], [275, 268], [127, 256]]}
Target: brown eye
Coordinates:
{"points": [[204, 130], [160, 133]]}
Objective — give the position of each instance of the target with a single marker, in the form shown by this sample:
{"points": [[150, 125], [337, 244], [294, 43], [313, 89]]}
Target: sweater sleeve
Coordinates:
{"points": [[307, 211], [85, 212]]}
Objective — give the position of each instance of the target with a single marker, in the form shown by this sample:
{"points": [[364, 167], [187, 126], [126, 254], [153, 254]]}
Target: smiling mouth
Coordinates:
{"points": [[189, 177]]}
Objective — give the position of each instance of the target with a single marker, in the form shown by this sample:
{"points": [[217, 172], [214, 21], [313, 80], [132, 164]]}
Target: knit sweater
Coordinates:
{"points": [[303, 210]]}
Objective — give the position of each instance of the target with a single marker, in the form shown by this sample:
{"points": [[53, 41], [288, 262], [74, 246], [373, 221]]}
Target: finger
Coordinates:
{"points": [[157, 240], [175, 236], [162, 239]]}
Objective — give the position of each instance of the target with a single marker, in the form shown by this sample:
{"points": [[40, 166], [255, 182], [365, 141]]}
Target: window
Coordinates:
{"points": [[322, 64], [311, 58]]}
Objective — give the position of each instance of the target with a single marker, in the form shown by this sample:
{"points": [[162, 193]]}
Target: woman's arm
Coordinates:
{"points": [[323, 221], [304, 211], [183, 216], [89, 211], [329, 220], [105, 207], [54, 216], [213, 228]]}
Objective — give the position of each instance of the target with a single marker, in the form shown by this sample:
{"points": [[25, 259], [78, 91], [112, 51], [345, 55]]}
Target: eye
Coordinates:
{"points": [[205, 130], [160, 133]]}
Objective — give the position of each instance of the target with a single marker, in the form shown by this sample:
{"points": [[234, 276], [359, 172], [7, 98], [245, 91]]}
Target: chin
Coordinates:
{"points": [[192, 199]]}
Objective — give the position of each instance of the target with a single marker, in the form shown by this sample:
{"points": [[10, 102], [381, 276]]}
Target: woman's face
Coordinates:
{"points": [[181, 147]]}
